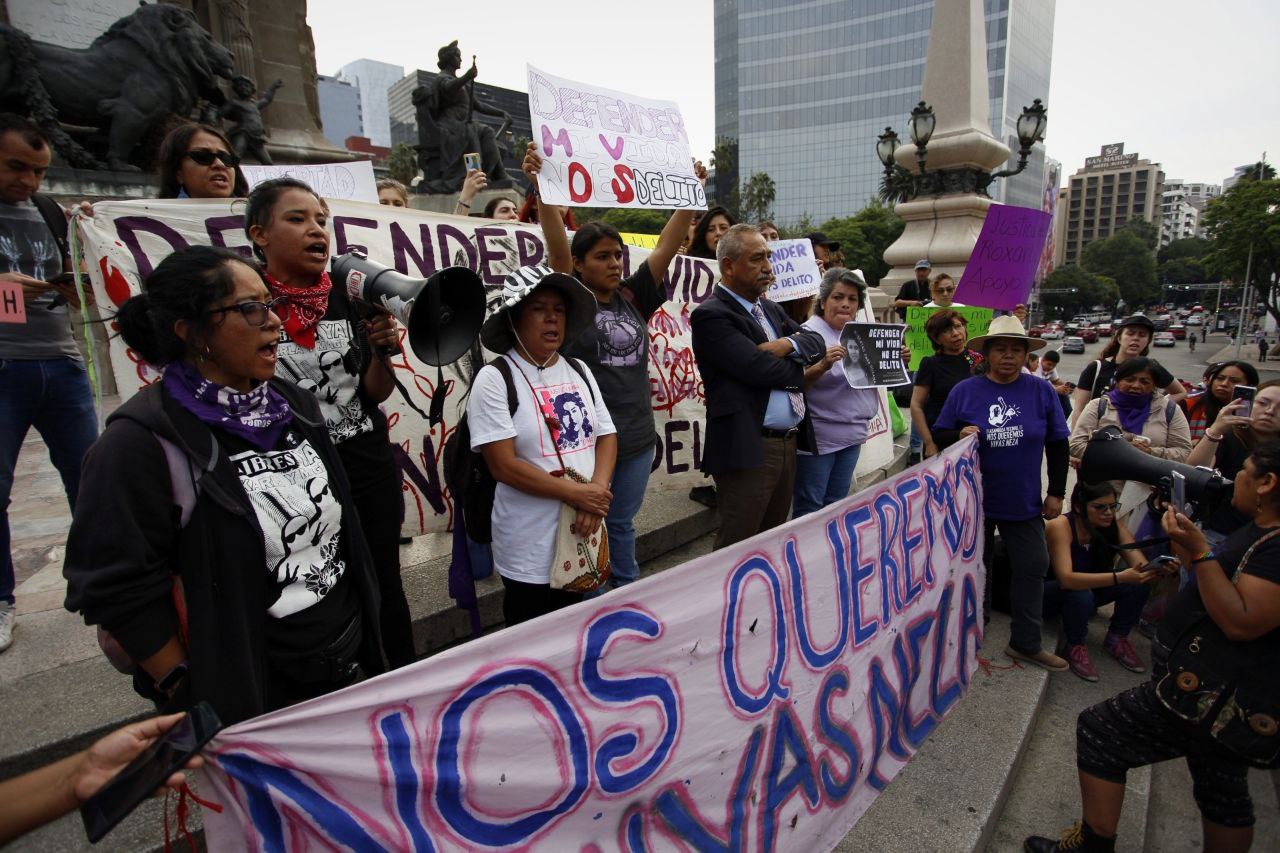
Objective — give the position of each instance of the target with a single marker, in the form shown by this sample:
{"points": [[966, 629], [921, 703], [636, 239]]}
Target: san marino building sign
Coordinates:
{"points": [[1112, 157]]}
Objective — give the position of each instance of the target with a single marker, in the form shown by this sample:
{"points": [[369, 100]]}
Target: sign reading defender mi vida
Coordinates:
{"points": [[873, 355], [1003, 264], [349, 181], [795, 270], [979, 320], [602, 148]]}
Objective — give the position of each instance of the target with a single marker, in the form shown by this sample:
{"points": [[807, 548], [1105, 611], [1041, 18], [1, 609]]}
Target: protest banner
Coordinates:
{"points": [[1003, 264], [979, 320], [352, 181], [795, 270], [873, 355], [642, 241], [602, 148], [757, 698], [13, 305], [124, 241]]}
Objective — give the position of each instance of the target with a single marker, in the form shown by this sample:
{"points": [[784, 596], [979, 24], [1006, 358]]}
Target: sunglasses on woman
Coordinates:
{"points": [[1103, 508], [205, 157], [255, 313]]}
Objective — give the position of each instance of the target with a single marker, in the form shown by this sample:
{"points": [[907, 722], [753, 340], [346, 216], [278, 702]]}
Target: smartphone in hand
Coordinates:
{"points": [[1178, 492], [1164, 564], [472, 161], [1246, 393]]}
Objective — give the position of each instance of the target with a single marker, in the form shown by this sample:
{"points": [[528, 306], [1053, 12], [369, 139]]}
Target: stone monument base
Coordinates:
{"points": [[446, 202], [69, 186]]}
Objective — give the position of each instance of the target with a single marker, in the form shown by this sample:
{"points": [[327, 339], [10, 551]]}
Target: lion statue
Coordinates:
{"points": [[150, 65]]}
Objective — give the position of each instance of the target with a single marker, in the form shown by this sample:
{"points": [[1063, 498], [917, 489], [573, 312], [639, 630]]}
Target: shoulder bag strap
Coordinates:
{"points": [[1270, 534]]}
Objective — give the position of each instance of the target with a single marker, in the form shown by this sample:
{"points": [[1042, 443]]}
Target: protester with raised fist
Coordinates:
{"points": [[230, 566], [334, 348]]}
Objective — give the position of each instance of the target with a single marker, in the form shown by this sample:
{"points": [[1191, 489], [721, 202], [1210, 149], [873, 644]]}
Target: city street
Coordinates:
{"points": [[1179, 360]]}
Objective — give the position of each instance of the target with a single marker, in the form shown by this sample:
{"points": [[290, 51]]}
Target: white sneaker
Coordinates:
{"points": [[8, 615]]}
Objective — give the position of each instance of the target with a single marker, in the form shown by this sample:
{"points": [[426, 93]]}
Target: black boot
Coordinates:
{"points": [[1078, 837]]}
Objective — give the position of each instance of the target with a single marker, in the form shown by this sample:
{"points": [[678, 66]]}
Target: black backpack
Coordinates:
{"points": [[467, 474]]}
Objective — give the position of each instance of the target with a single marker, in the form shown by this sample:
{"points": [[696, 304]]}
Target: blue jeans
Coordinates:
{"points": [[52, 395], [1077, 606], [823, 479], [630, 478]]}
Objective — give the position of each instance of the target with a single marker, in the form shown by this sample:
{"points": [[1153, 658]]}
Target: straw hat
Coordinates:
{"points": [[1007, 327], [498, 335]]}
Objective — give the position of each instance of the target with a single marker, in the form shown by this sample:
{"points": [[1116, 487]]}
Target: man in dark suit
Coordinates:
{"points": [[752, 358]]}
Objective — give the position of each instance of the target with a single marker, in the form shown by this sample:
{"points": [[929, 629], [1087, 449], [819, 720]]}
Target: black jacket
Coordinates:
{"points": [[737, 377], [126, 541]]}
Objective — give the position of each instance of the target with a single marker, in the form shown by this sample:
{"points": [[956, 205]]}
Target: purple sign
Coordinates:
{"points": [[1003, 265]]}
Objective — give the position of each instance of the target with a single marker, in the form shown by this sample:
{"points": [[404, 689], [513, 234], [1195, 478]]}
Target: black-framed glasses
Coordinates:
{"points": [[255, 313], [1107, 508], [205, 157]]}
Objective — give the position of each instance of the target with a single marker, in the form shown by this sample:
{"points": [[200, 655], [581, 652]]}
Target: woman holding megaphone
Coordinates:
{"points": [[327, 346]]}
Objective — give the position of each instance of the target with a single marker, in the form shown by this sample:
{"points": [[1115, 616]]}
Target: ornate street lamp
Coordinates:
{"points": [[922, 124], [886, 146], [1031, 127]]}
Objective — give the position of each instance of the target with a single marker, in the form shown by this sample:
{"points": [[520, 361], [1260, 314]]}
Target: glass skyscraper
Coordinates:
{"points": [[804, 87]]}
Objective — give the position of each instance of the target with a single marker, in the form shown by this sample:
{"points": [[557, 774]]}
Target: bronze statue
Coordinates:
{"points": [[150, 65], [447, 130], [243, 114]]}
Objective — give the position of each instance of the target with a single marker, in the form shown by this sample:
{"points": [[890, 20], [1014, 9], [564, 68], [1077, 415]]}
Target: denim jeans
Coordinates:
{"points": [[52, 395], [630, 478], [823, 479], [1077, 607]]}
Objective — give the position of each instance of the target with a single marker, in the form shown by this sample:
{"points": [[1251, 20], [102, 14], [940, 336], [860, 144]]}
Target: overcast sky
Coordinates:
{"points": [[1194, 85]]}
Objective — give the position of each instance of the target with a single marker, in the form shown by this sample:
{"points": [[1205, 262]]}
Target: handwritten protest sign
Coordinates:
{"points": [[352, 181], [795, 270], [979, 320], [1004, 261], [602, 148], [124, 241], [758, 698], [13, 308], [873, 355]]}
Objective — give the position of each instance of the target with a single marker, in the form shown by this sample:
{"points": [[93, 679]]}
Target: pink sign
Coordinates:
{"points": [[756, 698], [1004, 261], [13, 308]]}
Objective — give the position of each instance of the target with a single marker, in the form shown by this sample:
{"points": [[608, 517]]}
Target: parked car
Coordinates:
{"points": [[1179, 331], [1053, 335], [1089, 335], [1035, 331], [1104, 330], [1195, 320], [1164, 339], [1073, 344]]}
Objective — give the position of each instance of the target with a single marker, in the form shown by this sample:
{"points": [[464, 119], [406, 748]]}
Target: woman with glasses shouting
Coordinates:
{"points": [[1085, 545], [216, 542], [197, 161], [334, 347]]}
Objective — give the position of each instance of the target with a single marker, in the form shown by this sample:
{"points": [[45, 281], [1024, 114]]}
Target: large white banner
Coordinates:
{"points": [[758, 698], [124, 241], [602, 148]]}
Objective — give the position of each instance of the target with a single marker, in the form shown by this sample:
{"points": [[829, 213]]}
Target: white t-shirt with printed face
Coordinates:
{"points": [[524, 525]]}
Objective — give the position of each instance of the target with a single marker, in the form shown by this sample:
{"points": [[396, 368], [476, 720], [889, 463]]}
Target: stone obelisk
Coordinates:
{"points": [[945, 228]]}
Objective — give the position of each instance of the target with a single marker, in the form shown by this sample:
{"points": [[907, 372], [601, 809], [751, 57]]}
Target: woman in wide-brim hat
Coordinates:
{"points": [[552, 418], [1132, 339], [1018, 421]]}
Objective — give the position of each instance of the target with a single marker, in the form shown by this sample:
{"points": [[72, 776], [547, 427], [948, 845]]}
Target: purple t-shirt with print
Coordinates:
{"points": [[1014, 422]]}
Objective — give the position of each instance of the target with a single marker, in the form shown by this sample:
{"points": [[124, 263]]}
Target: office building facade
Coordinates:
{"points": [[804, 88], [373, 79], [1111, 189], [339, 109], [404, 116]]}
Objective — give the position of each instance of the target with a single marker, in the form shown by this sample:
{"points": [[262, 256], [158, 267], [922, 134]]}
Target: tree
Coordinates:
{"points": [[758, 194], [1267, 171], [630, 220], [864, 237], [1246, 217], [1126, 258], [1071, 288], [897, 185], [402, 165], [1182, 261], [724, 159], [1147, 232], [1184, 249]]}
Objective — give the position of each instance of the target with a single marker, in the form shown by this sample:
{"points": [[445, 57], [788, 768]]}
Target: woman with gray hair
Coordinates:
{"points": [[841, 415]]}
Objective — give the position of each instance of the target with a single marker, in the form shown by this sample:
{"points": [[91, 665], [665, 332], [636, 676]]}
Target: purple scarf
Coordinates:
{"points": [[1132, 409], [258, 416]]}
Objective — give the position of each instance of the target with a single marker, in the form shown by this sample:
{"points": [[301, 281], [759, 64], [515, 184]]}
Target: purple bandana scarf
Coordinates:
{"points": [[258, 416], [1132, 409]]}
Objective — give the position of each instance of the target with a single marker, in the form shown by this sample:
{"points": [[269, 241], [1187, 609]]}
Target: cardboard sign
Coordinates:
{"points": [[758, 698], [125, 241], [1002, 267], [979, 320], [602, 148], [873, 355], [13, 308], [795, 270], [352, 181]]}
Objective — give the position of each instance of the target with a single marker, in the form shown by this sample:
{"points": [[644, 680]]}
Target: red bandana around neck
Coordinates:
{"points": [[307, 307]]}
